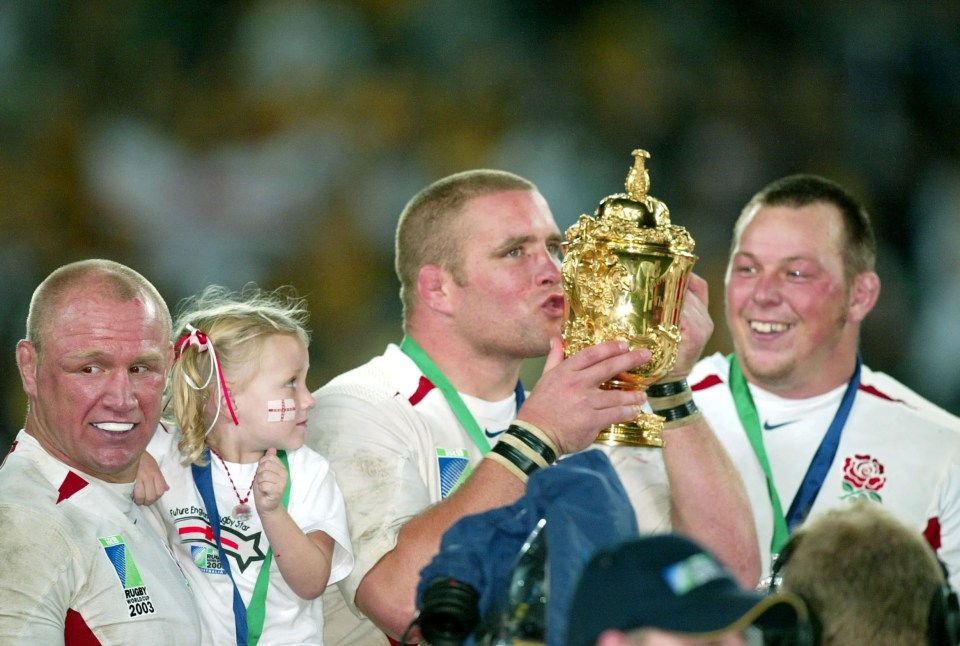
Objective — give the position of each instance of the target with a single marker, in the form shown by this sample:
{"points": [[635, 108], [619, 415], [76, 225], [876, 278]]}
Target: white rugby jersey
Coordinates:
{"points": [[896, 449], [397, 448], [83, 564]]}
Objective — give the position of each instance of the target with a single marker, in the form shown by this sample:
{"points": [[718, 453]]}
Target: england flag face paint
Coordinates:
{"points": [[281, 410]]}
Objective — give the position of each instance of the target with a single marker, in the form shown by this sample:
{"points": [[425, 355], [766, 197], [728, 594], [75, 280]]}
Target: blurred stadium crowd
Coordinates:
{"points": [[276, 141]]}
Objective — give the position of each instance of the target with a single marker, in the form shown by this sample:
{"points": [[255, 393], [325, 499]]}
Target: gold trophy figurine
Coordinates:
{"points": [[625, 275]]}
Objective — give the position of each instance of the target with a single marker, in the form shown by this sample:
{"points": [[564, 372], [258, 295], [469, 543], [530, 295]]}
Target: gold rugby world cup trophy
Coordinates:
{"points": [[625, 275]]}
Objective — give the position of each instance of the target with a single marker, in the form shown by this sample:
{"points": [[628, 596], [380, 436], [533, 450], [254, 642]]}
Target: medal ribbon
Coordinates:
{"points": [[819, 465], [460, 410], [248, 621]]}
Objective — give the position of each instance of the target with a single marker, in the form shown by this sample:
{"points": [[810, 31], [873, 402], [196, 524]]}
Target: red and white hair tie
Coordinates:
{"points": [[193, 338], [199, 340]]}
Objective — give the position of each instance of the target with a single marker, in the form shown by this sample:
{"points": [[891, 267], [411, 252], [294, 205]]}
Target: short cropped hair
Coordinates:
{"points": [[867, 576], [795, 191], [106, 276], [427, 233], [236, 324]]}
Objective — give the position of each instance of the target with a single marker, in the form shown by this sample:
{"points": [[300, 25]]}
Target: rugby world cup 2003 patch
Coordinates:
{"points": [[454, 469], [138, 599]]}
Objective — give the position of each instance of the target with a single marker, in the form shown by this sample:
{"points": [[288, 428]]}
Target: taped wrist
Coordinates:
{"points": [[673, 401], [535, 439], [522, 449]]}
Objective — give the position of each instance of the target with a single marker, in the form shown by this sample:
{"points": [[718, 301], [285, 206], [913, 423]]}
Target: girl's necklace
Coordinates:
{"points": [[242, 510]]}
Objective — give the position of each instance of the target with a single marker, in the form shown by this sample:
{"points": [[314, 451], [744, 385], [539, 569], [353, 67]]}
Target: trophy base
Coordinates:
{"points": [[644, 430]]}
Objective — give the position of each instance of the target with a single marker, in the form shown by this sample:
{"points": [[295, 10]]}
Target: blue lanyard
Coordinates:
{"points": [[823, 458], [203, 478], [819, 465]]}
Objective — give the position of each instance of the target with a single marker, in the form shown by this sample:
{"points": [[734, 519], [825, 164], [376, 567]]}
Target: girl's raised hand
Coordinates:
{"points": [[269, 483]]}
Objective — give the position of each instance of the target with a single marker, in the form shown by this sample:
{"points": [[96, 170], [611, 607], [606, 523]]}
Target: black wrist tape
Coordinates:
{"points": [[678, 412], [534, 442], [515, 456], [668, 389]]}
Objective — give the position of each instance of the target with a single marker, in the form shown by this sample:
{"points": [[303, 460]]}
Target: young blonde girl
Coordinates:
{"points": [[234, 452]]}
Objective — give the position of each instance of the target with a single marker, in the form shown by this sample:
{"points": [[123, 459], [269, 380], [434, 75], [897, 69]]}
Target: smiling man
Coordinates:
{"points": [[810, 427], [82, 563]]}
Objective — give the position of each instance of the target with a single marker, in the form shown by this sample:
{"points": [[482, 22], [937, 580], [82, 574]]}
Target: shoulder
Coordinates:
{"points": [[882, 387], [709, 372], [40, 527], [382, 388], [30, 513], [163, 444], [381, 377], [310, 471], [307, 459], [29, 476]]}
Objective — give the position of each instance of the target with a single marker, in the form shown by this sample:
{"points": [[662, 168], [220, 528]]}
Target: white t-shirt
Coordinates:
{"points": [[315, 504]]}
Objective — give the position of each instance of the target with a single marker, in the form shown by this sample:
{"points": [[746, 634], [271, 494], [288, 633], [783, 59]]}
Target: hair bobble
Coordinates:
{"points": [[202, 343], [194, 338]]}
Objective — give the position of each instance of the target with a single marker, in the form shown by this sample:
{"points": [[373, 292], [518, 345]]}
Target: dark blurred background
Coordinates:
{"points": [[276, 141]]}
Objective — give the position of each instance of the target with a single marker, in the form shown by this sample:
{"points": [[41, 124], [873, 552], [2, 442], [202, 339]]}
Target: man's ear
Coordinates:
{"points": [[863, 296], [432, 283], [27, 362]]}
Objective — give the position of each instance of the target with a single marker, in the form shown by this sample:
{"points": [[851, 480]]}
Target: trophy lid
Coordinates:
{"points": [[634, 217], [636, 205]]}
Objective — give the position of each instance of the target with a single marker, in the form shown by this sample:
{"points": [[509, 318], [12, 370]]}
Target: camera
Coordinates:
{"points": [[449, 612]]}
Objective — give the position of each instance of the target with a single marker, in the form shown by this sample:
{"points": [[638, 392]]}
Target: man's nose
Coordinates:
{"points": [[548, 268], [119, 393], [767, 288]]}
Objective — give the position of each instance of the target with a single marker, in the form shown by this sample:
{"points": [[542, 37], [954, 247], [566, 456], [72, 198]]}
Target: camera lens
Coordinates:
{"points": [[448, 612]]}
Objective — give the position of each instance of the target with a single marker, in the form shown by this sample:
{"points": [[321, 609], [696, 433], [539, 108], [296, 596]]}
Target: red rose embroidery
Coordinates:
{"points": [[863, 476]]}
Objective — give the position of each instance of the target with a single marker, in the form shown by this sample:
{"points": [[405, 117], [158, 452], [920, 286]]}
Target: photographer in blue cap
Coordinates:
{"points": [[666, 590]]}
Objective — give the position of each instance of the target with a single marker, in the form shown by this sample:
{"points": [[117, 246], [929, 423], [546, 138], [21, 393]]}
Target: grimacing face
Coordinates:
{"points": [[95, 388]]}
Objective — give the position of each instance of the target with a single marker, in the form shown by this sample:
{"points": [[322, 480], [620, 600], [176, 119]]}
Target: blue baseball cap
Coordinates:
{"points": [[670, 583]]}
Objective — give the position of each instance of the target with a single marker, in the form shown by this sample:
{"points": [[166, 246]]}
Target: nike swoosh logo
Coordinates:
{"points": [[494, 434], [767, 426]]}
